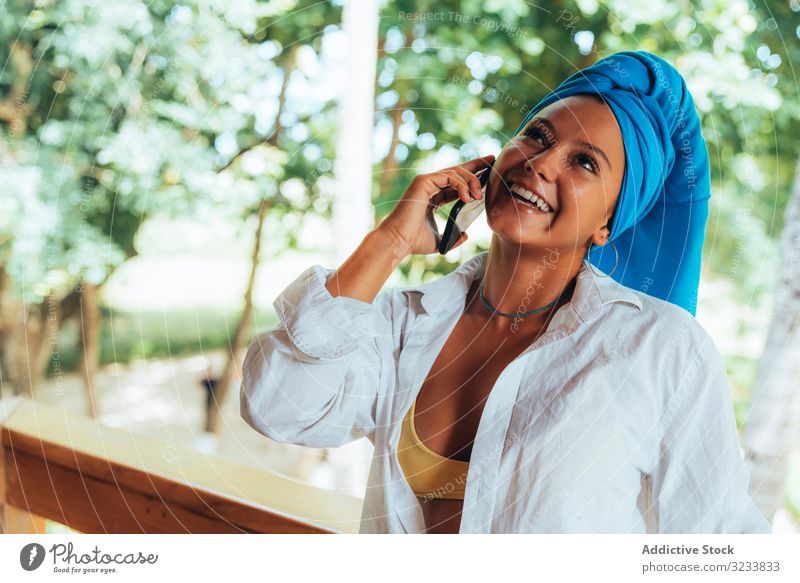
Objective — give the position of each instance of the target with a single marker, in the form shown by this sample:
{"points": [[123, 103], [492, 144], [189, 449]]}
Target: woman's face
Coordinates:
{"points": [[571, 155]]}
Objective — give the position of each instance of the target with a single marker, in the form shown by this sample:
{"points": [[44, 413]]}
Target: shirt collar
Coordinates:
{"points": [[591, 292]]}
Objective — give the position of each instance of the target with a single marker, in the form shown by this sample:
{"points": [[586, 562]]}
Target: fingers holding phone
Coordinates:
{"points": [[412, 218], [462, 215]]}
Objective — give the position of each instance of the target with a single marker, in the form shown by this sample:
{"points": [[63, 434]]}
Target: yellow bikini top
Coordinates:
{"points": [[429, 474]]}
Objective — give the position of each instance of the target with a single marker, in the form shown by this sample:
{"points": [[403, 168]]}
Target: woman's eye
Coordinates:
{"points": [[587, 162], [535, 134], [584, 160]]}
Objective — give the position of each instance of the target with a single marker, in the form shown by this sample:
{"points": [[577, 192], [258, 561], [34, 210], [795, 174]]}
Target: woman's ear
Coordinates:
{"points": [[600, 236]]}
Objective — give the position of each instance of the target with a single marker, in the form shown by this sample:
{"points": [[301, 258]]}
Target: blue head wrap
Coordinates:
{"points": [[659, 222]]}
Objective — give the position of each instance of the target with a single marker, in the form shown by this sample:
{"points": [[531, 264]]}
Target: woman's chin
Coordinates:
{"points": [[514, 237], [518, 230]]}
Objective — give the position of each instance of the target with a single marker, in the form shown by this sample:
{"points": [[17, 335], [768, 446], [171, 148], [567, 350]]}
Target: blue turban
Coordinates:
{"points": [[659, 222]]}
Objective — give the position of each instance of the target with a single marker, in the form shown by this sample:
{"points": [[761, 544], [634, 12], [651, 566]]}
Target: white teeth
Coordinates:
{"points": [[528, 195]]}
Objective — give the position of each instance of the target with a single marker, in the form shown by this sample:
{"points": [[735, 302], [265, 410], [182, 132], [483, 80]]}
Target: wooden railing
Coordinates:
{"points": [[95, 479]]}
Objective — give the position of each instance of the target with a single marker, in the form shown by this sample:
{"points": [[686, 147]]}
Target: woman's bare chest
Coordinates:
{"points": [[452, 396]]}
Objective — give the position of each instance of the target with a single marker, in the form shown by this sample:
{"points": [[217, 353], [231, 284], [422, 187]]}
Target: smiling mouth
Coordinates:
{"points": [[524, 201]]}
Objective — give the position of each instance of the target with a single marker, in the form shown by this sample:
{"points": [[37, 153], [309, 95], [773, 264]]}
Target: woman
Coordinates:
{"points": [[526, 391]]}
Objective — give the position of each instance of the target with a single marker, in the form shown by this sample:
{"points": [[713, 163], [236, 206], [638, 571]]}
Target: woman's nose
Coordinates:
{"points": [[546, 165]]}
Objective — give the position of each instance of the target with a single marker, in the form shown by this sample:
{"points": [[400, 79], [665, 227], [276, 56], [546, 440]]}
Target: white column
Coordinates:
{"points": [[352, 207]]}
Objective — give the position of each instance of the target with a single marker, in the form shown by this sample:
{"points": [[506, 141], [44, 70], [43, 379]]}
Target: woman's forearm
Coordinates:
{"points": [[364, 273]]}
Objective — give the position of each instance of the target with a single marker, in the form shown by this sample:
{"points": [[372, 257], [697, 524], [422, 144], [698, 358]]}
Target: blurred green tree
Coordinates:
{"points": [[113, 112], [770, 437]]}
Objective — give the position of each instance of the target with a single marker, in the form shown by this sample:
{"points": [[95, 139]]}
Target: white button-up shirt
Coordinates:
{"points": [[617, 420]]}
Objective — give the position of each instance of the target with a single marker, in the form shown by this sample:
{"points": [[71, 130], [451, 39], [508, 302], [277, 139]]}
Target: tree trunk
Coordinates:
{"points": [[775, 402], [35, 332], [15, 109], [232, 365], [90, 342], [390, 164], [213, 414]]}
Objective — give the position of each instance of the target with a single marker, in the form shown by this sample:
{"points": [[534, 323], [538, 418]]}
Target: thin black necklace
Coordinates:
{"points": [[520, 314]]}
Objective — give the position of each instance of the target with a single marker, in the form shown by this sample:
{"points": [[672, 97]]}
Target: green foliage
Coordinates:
{"points": [[112, 112], [738, 246], [742, 373]]}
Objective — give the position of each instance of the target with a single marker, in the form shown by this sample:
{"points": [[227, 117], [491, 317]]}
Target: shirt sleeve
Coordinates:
{"points": [[314, 379], [700, 484]]}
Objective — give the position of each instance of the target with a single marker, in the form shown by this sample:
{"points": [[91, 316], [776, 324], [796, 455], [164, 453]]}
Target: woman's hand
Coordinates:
{"points": [[411, 225]]}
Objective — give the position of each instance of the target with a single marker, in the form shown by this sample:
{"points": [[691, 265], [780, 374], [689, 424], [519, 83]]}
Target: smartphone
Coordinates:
{"points": [[462, 215]]}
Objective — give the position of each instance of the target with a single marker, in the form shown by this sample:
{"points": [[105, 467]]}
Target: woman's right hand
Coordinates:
{"points": [[411, 224]]}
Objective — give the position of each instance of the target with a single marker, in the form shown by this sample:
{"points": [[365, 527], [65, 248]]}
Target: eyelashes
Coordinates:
{"points": [[535, 133]]}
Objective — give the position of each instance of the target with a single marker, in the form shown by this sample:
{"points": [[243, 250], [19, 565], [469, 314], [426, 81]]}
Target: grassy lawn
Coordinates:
{"points": [[127, 337]]}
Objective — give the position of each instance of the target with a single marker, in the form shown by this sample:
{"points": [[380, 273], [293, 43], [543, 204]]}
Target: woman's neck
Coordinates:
{"points": [[518, 280]]}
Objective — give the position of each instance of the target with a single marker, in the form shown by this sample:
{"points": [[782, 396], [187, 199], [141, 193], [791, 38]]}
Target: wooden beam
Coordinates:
{"points": [[12, 519], [93, 478]]}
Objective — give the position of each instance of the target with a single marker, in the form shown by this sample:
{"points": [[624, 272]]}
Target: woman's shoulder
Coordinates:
{"points": [[667, 351], [673, 325]]}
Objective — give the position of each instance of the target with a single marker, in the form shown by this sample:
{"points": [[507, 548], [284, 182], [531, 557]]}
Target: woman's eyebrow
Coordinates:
{"points": [[548, 124], [596, 149]]}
